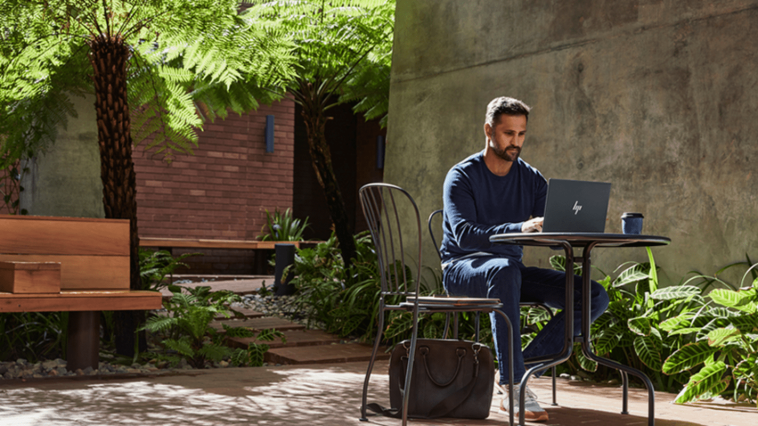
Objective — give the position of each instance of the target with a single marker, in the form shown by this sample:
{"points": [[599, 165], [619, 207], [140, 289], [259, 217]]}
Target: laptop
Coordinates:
{"points": [[576, 206]]}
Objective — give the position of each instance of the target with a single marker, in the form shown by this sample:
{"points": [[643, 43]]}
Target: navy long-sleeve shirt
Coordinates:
{"points": [[479, 204]]}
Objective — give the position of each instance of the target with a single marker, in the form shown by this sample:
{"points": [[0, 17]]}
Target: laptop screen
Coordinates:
{"points": [[576, 206]]}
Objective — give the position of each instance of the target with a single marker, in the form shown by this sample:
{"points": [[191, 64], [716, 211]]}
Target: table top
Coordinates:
{"points": [[580, 239]]}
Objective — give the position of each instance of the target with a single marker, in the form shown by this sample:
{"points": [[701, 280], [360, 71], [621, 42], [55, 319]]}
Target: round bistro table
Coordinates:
{"points": [[586, 241]]}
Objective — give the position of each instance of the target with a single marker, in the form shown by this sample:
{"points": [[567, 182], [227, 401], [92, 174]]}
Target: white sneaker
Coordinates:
{"points": [[532, 410]]}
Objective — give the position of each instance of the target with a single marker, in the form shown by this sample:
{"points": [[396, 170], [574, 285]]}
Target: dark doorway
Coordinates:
{"points": [[353, 144]]}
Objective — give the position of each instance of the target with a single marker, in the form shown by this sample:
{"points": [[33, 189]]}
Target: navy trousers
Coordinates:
{"points": [[512, 282]]}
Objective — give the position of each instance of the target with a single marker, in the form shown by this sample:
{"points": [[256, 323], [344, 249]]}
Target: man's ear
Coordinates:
{"points": [[488, 130]]}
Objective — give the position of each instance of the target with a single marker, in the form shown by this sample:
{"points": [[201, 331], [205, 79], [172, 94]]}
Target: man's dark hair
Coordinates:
{"points": [[507, 106]]}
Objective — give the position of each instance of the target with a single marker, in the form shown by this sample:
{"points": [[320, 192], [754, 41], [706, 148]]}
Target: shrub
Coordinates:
{"points": [[725, 334], [187, 333], [283, 227]]}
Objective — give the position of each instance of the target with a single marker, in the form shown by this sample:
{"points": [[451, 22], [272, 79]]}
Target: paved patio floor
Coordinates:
{"points": [[303, 395]]}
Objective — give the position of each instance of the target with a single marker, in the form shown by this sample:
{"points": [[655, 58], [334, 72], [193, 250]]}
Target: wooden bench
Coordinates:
{"points": [[94, 275], [260, 261]]}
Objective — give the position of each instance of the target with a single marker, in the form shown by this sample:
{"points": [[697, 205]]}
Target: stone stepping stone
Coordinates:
{"points": [[323, 354], [261, 323], [294, 338], [248, 313]]}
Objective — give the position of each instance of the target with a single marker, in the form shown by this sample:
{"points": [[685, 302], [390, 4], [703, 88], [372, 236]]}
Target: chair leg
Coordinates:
{"points": [[409, 371], [447, 325], [476, 327], [554, 393], [380, 326], [455, 325], [624, 392]]}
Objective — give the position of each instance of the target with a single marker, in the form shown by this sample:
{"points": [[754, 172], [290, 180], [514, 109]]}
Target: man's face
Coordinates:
{"points": [[507, 137]]}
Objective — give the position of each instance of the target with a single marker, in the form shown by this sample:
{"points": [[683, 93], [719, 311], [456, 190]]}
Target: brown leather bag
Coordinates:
{"points": [[451, 378]]}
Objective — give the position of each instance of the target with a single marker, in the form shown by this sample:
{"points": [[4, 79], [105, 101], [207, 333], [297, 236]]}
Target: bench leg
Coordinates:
{"points": [[83, 340]]}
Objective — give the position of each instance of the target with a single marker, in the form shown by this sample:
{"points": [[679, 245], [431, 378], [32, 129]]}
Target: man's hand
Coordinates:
{"points": [[532, 225]]}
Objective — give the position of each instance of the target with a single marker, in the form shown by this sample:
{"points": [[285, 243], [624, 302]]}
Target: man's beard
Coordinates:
{"points": [[509, 156]]}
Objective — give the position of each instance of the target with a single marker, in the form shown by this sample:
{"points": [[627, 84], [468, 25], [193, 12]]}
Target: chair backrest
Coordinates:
{"points": [[383, 204], [431, 231]]}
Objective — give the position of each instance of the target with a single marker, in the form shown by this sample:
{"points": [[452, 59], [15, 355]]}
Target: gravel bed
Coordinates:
{"points": [[22, 369], [280, 306]]}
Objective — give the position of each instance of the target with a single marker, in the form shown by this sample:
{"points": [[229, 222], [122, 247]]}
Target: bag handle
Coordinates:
{"points": [[453, 401], [461, 352]]}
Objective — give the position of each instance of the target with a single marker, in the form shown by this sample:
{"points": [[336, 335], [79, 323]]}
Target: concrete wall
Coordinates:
{"points": [[658, 97], [65, 179]]}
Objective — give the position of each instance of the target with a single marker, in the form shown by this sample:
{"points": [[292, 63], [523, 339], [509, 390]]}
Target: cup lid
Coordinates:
{"points": [[630, 215]]}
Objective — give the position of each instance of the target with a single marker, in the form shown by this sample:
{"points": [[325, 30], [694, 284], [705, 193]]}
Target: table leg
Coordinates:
{"points": [[83, 340], [623, 369]]}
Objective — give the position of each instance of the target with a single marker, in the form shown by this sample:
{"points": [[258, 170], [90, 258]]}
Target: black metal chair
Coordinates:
{"points": [[455, 317], [393, 220]]}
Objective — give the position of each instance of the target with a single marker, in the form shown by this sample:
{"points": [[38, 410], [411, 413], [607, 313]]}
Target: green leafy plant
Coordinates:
{"points": [[633, 330], [33, 336], [725, 334], [347, 302], [155, 265], [187, 333], [283, 227]]}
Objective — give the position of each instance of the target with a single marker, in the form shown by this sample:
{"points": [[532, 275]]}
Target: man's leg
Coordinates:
{"points": [[497, 278], [549, 287]]}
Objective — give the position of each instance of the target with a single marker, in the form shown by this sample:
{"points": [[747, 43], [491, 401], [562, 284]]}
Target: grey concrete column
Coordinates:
{"points": [[65, 179]]}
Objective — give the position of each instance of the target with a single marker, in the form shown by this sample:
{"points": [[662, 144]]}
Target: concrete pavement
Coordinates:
{"points": [[302, 395]]}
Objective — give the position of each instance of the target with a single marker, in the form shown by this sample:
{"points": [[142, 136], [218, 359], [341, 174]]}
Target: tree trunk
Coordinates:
{"points": [[321, 159], [108, 56]]}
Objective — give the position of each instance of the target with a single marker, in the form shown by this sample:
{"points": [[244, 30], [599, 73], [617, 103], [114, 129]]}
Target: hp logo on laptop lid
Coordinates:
{"points": [[566, 198]]}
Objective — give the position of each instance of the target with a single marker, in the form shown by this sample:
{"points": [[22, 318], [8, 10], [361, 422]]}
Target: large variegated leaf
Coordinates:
{"points": [[708, 379], [648, 348], [723, 313], [558, 263], [687, 357], [603, 323], [640, 325], [744, 300], [678, 292], [687, 330], [620, 310], [720, 336], [608, 340], [584, 362], [746, 323], [631, 275], [747, 368], [676, 322], [712, 325]]}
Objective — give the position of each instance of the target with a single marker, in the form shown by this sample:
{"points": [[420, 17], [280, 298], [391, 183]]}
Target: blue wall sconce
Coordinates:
{"points": [[269, 133]]}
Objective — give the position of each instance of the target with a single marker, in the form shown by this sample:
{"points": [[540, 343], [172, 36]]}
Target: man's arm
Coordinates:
{"points": [[460, 211]]}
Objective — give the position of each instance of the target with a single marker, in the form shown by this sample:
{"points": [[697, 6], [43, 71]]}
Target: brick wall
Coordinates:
{"points": [[221, 191]]}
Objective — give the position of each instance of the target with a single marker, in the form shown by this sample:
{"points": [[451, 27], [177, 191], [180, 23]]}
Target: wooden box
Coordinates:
{"points": [[30, 277]]}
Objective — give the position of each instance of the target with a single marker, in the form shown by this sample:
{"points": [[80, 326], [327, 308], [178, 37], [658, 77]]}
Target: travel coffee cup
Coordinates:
{"points": [[631, 223]]}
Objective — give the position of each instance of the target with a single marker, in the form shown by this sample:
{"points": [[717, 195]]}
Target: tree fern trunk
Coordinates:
{"points": [[321, 159], [108, 56]]}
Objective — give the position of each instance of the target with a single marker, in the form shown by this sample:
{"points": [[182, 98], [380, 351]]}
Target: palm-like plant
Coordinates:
{"points": [[343, 51], [158, 68]]}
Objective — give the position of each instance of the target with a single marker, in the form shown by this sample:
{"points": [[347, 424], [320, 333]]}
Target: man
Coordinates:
{"points": [[493, 192]]}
